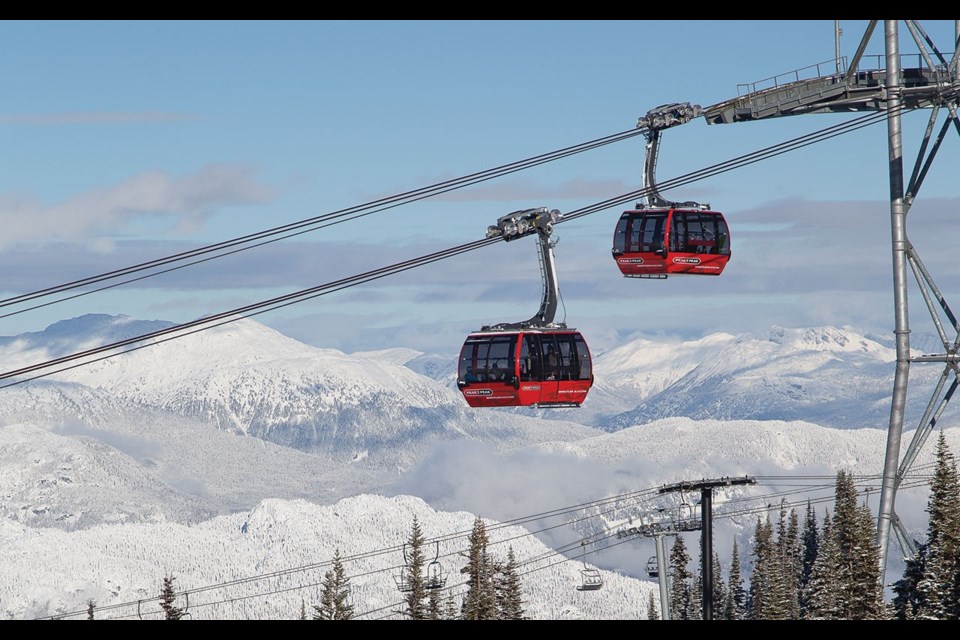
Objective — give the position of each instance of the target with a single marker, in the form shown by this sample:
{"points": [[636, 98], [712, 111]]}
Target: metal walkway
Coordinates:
{"points": [[827, 87]]}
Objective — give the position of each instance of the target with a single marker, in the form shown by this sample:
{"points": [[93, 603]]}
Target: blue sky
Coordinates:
{"points": [[131, 141]]}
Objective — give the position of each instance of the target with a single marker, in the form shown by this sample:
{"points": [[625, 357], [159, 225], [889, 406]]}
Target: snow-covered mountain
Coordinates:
{"points": [[829, 376], [247, 379], [213, 437]]}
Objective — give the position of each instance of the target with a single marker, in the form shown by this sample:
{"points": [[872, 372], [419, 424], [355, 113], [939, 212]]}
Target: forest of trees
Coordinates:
{"points": [[817, 569], [830, 569]]}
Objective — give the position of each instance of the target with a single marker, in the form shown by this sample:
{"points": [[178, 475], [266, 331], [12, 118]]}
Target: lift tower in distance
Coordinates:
{"points": [[893, 83], [706, 487]]}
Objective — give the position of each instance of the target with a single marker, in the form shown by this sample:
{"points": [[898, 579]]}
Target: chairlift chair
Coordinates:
{"points": [[435, 578], [653, 567], [404, 584], [591, 580]]}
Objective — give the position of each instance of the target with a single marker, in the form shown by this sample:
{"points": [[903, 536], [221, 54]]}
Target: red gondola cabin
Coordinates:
{"points": [[655, 243], [528, 367]]}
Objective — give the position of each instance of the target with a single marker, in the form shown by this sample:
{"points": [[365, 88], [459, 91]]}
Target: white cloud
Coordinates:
{"points": [[181, 202]]}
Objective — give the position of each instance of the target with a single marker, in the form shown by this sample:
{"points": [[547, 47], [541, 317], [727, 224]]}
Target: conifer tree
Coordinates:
{"points": [[480, 602], [508, 591], [718, 593], [820, 594], [939, 587], [342, 608], [941, 583], [335, 597], [680, 596], [167, 598], [777, 588], [695, 606], [792, 554], [763, 580], [434, 609], [413, 573], [844, 517], [719, 588], [324, 610], [303, 609], [845, 579], [780, 566], [908, 601], [859, 586], [923, 590], [652, 611], [450, 607], [90, 607], [809, 543], [736, 601], [866, 588]]}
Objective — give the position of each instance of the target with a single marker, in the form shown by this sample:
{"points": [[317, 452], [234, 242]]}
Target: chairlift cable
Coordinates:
{"points": [[357, 211]]}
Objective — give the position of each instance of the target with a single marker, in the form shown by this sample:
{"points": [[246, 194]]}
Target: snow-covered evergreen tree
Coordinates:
{"points": [[866, 588], [719, 588], [821, 589], [940, 585], [434, 608], [859, 587], [764, 591], [508, 589], [809, 541], [695, 609], [653, 613], [791, 553], [167, 598], [335, 597], [908, 600], [681, 601], [450, 608], [480, 602], [413, 581], [777, 597], [844, 517], [736, 601]]}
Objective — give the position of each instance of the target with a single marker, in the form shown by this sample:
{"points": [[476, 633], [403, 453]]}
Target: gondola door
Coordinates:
{"points": [[550, 379]]}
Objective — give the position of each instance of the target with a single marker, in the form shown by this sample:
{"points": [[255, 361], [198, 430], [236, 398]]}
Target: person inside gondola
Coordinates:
{"points": [[534, 368], [550, 363]]}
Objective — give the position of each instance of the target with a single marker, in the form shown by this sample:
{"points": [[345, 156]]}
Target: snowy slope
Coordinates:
{"points": [[116, 473], [288, 541], [71, 458], [270, 561]]}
